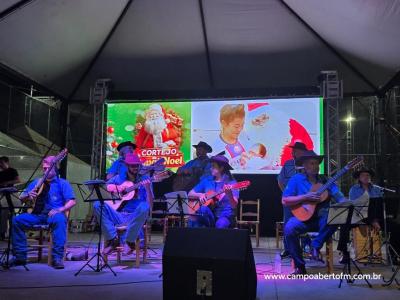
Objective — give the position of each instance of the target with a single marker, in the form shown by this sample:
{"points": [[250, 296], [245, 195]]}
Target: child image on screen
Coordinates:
{"points": [[232, 118], [258, 158]]}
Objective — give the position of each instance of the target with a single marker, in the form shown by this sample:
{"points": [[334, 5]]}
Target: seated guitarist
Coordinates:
{"points": [[56, 198], [222, 214], [133, 214], [297, 192]]}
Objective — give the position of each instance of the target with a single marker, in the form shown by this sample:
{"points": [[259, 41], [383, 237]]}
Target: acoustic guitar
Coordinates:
{"points": [[127, 190], [305, 210], [212, 197]]}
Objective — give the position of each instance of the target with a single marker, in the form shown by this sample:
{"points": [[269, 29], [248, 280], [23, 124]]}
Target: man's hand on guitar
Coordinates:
{"points": [[202, 197], [228, 190], [32, 195], [55, 211], [146, 183], [312, 197]]}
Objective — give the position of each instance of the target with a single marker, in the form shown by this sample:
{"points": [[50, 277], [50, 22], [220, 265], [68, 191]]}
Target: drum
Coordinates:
{"points": [[367, 244]]}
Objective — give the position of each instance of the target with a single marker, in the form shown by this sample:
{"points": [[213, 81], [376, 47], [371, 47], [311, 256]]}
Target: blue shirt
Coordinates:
{"points": [[288, 171], [140, 195], [300, 185], [201, 164], [223, 208], [356, 191], [119, 168], [59, 193]]}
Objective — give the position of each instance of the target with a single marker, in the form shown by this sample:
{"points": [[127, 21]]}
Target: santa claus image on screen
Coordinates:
{"points": [[158, 130]]}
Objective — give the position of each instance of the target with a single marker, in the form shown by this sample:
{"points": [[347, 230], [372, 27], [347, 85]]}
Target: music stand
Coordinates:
{"points": [[388, 246], [179, 205], [7, 193], [350, 213], [98, 193]]}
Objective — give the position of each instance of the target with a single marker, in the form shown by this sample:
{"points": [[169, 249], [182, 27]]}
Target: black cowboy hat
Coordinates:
{"points": [[127, 143], [309, 154], [204, 145], [220, 159], [357, 173], [299, 145]]}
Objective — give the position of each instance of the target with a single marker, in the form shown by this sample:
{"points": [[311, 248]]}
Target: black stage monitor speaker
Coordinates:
{"points": [[208, 263]]}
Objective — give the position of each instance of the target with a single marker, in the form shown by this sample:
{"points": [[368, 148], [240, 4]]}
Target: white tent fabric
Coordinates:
{"points": [[156, 45]]}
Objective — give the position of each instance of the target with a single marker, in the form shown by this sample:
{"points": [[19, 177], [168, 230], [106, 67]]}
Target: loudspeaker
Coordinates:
{"points": [[208, 263]]}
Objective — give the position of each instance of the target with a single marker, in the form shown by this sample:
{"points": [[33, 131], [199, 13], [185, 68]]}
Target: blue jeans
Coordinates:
{"points": [[208, 219], [287, 214], [134, 221], [294, 228], [22, 222]]}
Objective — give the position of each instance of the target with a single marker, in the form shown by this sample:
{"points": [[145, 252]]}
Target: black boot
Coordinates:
{"points": [[299, 270], [112, 246], [58, 264], [285, 254], [132, 248], [316, 255], [345, 258]]}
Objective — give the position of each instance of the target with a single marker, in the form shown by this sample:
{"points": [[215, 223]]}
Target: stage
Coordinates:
{"points": [[43, 282]]}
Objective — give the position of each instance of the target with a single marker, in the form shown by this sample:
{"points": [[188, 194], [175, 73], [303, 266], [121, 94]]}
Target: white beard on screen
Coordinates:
{"points": [[155, 128]]}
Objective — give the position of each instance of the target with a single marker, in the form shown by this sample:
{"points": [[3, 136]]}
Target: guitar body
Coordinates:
{"points": [[195, 205], [212, 197], [306, 210], [120, 192], [127, 190]]}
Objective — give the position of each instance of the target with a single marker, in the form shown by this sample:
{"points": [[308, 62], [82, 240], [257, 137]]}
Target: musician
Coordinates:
{"points": [[56, 198], [201, 165], [375, 213], [133, 214], [297, 192], [119, 167], [288, 170], [223, 213], [8, 177]]}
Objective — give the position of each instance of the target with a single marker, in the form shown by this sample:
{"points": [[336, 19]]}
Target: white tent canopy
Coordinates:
{"points": [[161, 45]]}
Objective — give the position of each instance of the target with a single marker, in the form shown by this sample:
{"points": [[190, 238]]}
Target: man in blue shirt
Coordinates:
{"points": [[119, 167], [288, 170], [298, 192], [133, 214], [375, 211], [201, 165], [222, 214], [51, 204], [193, 171]]}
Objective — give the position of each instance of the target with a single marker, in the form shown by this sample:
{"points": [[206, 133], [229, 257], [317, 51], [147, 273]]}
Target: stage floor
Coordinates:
{"points": [[44, 283]]}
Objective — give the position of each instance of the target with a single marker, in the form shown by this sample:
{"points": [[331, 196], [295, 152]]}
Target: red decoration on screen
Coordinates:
{"points": [[114, 144], [298, 134], [253, 106], [110, 129]]}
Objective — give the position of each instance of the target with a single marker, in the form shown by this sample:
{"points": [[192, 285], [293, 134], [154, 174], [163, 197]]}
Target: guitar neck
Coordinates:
{"points": [[137, 185], [215, 194], [332, 180]]}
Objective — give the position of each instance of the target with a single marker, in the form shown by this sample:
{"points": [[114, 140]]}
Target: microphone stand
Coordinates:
{"points": [[388, 246]]}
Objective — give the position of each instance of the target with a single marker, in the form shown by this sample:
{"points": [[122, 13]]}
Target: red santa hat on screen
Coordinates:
{"points": [[156, 107], [256, 109]]}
